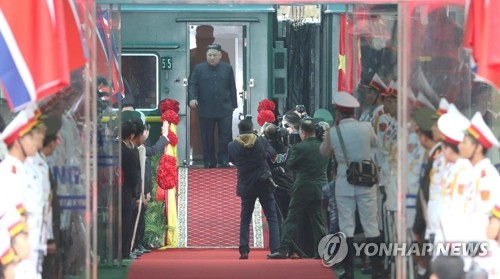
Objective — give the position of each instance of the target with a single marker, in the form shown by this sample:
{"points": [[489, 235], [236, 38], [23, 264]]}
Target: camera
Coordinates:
{"points": [[248, 117], [320, 128], [300, 108]]}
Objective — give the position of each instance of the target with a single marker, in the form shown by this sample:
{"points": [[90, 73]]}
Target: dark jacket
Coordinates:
{"points": [[130, 173], [310, 169], [214, 88], [249, 153], [150, 152]]}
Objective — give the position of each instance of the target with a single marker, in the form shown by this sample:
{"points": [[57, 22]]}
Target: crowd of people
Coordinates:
{"points": [[450, 182]]}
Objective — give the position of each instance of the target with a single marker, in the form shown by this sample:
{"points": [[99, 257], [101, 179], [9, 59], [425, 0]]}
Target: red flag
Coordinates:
{"points": [[342, 56], [473, 33], [482, 36], [488, 67], [36, 35]]}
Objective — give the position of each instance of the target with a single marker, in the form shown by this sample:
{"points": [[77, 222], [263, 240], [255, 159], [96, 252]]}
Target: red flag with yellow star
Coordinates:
{"points": [[342, 56]]}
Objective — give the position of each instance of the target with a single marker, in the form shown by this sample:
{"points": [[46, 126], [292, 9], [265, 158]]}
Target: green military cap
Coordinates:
{"points": [[424, 118], [131, 116], [323, 115], [53, 123]]}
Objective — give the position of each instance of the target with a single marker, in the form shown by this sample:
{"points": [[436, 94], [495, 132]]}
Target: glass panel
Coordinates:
{"points": [[140, 77], [109, 90], [434, 66]]}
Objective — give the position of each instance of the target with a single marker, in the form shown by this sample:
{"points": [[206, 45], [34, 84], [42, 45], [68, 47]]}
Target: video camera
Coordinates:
{"points": [[319, 127]]}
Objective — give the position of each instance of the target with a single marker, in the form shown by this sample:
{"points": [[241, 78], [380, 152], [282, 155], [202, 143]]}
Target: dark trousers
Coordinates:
{"points": [[266, 200], [141, 227], [298, 207], [127, 225], [225, 134]]}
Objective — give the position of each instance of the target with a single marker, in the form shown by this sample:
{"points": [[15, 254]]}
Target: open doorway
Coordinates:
{"points": [[231, 38]]}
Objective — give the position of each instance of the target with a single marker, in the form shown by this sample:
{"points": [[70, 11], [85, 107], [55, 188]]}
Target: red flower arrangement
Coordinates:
{"points": [[265, 116], [167, 177], [172, 137], [170, 116], [169, 104], [266, 105]]}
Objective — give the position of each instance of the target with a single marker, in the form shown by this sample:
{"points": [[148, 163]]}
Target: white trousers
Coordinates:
{"points": [[368, 214]]}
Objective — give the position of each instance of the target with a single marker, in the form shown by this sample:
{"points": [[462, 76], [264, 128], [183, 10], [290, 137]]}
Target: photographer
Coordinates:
{"points": [[310, 176], [250, 154], [291, 122]]}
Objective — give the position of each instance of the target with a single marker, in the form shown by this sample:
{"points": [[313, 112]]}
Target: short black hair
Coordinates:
{"points": [[307, 125], [245, 126], [453, 147], [128, 129], [48, 139], [292, 118], [271, 132], [139, 127]]}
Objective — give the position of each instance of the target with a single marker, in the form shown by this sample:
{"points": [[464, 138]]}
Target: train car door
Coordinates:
{"points": [[232, 38]]}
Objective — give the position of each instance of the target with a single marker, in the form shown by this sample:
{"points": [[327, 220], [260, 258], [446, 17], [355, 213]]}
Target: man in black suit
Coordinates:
{"points": [[212, 90]]}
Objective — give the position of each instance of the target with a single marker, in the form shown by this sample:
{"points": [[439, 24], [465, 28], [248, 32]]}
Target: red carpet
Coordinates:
{"points": [[221, 264], [213, 209]]}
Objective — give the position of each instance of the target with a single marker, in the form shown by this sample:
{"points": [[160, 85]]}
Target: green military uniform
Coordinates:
{"points": [[310, 176]]}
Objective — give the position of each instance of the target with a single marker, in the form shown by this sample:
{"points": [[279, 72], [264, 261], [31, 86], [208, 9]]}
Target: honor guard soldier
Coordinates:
{"points": [[23, 138], [451, 126], [436, 176], [373, 99], [481, 192], [357, 138], [386, 130]]}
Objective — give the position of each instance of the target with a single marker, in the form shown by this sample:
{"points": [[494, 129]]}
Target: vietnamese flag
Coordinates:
{"points": [[342, 56]]}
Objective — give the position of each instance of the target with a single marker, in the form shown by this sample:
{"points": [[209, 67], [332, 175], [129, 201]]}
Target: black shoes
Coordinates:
{"points": [[277, 255], [209, 166], [143, 249], [224, 164], [244, 256]]}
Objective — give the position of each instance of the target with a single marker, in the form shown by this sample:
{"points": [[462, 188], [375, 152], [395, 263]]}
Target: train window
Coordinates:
{"points": [[141, 80]]}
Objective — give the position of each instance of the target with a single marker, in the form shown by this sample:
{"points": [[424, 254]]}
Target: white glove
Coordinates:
{"points": [[193, 103], [164, 129]]}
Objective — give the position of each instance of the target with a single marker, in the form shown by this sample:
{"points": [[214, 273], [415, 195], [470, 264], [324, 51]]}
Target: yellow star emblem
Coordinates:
{"points": [[342, 61]]}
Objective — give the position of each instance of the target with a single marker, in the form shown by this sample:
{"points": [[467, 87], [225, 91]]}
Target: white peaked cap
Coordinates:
{"points": [[346, 100], [443, 107], [479, 130], [452, 125], [392, 90], [378, 83], [21, 124]]}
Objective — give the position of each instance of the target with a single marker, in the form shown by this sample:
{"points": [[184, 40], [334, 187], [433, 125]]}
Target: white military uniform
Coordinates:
{"points": [[358, 139], [416, 156], [481, 191], [387, 139], [14, 184], [439, 167]]}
